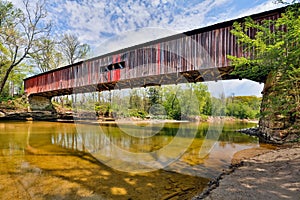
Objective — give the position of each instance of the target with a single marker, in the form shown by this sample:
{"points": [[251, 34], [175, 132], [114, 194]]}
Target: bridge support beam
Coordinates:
{"points": [[280, 110], [40, 103]]}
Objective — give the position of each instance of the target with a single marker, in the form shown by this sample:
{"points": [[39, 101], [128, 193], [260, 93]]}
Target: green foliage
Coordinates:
{"points": [[48, 57], [286, 2], [171, 101], [207, 108], [154, 95], [19, 32], [203, 97], [8, 14], [243, 107], [272, 56], [268, 51], [5, 98], [137, 113], [218, 106], [180, 102], [186, 101], [103, 109], [135, 101], [14, 103], [242, 110]]}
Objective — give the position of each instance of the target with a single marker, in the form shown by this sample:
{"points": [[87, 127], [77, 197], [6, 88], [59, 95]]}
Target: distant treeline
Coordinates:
{"points": [[185, 101]]}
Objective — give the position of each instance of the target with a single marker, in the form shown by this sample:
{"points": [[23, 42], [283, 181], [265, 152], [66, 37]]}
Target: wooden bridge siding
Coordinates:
{"points": [[199, 51], [183, 54], [203, 50]]}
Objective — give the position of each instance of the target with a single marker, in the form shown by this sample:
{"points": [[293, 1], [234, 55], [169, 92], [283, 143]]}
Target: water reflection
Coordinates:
{"points": [[42, 160], [102, 141], [125, 152]]}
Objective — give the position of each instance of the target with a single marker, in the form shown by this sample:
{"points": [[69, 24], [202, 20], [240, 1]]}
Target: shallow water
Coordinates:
{"points": [[51, 160]]}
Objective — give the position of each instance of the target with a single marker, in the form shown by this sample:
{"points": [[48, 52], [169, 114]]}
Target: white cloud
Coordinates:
{"points": [[242, 87], [268, 5], [95, 21], [235, 88], [131, 38]]}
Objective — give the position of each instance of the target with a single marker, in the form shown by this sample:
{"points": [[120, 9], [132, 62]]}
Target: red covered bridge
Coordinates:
{"points": [[193, 56]]}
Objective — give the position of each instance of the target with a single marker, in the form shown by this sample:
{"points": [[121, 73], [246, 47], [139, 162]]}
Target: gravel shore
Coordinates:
{"points": [[272, 175]]}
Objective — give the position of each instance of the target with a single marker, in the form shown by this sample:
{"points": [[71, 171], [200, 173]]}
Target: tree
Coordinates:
{"points": [[48, 57], [154, 99], [243, 107], [218, 107], [72, 49], [154, 95], [271, 51], [273, 57], [203, 96], [286, 2], [19, 31], [135, 101], [171, 101]]}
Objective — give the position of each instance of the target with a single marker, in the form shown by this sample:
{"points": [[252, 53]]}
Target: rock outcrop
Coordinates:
{"points": [[280, 110], [30, 116]]}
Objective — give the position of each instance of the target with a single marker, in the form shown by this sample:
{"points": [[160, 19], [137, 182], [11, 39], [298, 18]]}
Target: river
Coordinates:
{"points": [[54, 160]]}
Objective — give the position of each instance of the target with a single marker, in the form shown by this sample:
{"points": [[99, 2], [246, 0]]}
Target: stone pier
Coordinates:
{"points": [[40, 103], [280, 110]]}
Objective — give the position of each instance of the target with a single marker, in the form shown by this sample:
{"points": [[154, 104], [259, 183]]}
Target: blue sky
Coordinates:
{"points": [[107, 25]]}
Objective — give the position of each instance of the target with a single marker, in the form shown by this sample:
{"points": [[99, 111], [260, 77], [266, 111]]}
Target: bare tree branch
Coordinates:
{"points": [[72, 49]]}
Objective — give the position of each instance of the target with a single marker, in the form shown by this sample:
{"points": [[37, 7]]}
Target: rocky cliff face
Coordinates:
{"points": [[280, 120]]}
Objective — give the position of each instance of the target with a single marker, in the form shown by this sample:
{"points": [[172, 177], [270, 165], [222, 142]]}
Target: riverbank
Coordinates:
{"points": [[24, 115], [27, 116], [271, 174]]}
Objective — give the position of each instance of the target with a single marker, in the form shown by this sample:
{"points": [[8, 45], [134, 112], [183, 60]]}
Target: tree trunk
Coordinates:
{"points": [[3, 81]]}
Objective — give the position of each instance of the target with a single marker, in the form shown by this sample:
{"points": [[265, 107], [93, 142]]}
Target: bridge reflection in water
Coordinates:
{"points": [[49, 160], [101, 141]]}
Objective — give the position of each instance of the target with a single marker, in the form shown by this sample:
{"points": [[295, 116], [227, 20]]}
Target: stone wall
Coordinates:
{"points": [[280, 120], [40, 103]]}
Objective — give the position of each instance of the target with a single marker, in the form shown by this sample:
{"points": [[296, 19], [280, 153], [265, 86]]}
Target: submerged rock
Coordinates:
{"points": [[250, 131]]}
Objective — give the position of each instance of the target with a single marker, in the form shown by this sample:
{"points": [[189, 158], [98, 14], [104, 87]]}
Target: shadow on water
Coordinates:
{"points": [[43, 160]]}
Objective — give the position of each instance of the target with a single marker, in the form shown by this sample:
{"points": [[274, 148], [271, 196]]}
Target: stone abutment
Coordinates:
{"points": [[280, 110]]}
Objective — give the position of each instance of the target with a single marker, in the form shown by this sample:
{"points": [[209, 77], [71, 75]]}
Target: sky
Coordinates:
{"points": [[108, 25]]}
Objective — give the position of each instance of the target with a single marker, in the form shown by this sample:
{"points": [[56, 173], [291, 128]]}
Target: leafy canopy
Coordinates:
{"points": [[272, 46]]}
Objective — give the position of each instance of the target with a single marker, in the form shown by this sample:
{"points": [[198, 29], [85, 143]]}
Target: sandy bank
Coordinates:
{"points": [[273, 175]]}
